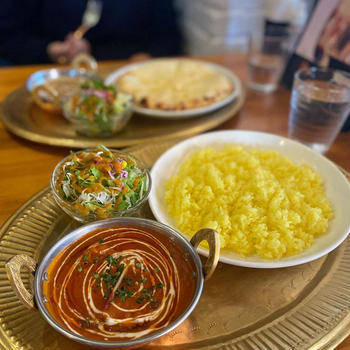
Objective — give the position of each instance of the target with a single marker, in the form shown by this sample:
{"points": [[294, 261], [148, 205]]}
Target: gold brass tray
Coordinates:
{"points": [[24, 118], [295, 308]]}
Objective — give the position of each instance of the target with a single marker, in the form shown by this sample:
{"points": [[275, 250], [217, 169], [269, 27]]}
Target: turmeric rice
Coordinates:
{"points": [[260, 202]]}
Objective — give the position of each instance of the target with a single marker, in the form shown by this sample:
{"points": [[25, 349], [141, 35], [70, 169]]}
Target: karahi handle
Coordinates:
{"points": [[52, 104], [85, 61], [13, 269], [212, 237]]}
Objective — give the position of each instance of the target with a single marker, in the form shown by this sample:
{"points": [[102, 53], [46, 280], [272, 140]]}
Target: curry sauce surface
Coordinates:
{"points": [[119, 283]]}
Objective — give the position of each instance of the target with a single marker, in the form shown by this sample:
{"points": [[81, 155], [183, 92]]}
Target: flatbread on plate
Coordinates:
{"points": [[175, 84]]}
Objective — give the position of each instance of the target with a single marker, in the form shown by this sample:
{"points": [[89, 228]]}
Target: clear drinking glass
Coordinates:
{"points": [[267, 57], [319, 106]]}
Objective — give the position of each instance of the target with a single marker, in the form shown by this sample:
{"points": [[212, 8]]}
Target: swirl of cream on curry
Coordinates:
{"points": [[119, 283]]}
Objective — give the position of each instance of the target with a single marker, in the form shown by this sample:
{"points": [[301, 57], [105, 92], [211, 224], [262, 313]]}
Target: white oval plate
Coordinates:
{"points": [[189, 113], [337, 190]]}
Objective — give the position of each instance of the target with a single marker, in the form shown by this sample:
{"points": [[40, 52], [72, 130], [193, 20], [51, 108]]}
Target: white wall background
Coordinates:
{"points": [[223, 26]]}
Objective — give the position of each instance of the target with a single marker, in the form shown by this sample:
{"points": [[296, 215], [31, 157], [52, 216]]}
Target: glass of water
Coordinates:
{"points": [[319, 106], [267, 58]]}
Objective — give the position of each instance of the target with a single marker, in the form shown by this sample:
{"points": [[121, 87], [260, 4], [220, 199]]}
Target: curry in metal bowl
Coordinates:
{"points": [[118, 282]]}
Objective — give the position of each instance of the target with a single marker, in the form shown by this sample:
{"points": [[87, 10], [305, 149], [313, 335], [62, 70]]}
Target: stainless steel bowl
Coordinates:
{"points": [[189, 250], [47, 98]]}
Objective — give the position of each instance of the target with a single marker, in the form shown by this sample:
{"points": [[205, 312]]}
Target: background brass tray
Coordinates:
{"points": [[24, 118], [301, 307]]}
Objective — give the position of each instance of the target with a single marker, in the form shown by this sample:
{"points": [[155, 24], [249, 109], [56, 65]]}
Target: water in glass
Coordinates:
{"points": [[318, 111]]}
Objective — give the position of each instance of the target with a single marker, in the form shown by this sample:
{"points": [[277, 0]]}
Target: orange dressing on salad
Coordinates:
{"points": [[97, 181]]}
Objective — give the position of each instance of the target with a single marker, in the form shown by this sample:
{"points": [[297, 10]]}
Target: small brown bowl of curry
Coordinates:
{"points": [[51, 87], [117, 283]]}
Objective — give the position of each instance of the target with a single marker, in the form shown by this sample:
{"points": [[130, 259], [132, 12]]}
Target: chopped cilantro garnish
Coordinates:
{"points": [[111, 261], [127, 281], [124, 293], [120, 267], [86, 323]]}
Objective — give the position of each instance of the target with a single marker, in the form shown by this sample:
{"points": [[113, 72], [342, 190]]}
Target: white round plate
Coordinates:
{"points": [[189, 113], [337, 189]]}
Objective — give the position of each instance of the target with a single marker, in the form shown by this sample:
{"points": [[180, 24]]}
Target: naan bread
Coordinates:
{"points": [[175, 84]]}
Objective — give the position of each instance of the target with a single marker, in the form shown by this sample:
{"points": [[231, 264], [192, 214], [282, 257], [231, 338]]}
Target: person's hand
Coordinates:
{"points": [[139, 57], [65, 51]]}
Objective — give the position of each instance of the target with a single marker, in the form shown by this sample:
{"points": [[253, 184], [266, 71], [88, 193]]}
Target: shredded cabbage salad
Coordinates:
{"points": [[98, 108], [101, 182]]}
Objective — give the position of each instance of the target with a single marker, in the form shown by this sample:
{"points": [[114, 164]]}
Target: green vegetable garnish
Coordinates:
{"points": [[95, 172], [111, 261]]}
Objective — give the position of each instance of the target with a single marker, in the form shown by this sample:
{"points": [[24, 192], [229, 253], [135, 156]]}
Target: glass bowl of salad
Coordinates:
{"points": [[100, 183], [98, 110]]}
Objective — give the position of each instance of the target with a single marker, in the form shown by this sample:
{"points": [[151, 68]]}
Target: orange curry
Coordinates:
{"points": [[119, 283]]}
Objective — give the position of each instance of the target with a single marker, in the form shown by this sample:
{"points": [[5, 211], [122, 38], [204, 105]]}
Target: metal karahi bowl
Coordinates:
{"points": [[49, 98], [39, 299], [75, 213]]}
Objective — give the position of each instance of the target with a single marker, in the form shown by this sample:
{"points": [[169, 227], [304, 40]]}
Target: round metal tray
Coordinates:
{"points": [[295, 308], [25, 119]]}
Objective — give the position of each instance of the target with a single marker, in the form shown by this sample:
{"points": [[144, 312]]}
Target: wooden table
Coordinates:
{"points": [[26, 167]]}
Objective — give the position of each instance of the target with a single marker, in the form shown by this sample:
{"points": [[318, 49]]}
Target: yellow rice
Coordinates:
{"points": [[259, 201]]}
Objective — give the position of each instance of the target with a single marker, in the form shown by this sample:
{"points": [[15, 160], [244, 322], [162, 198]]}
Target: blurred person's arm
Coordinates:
{"points": [[20, 39], [65, 51]]}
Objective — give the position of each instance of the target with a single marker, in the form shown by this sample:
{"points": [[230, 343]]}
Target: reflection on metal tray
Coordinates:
{"points": [[24, 118], [300, 307]]}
